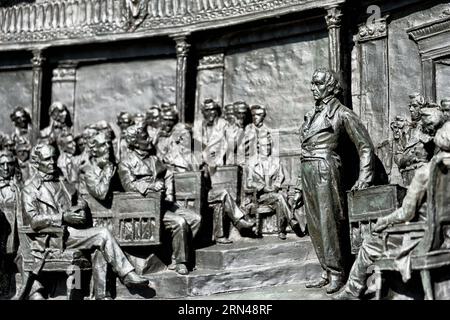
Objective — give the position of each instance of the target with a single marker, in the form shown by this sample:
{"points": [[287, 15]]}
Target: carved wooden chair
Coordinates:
{"points": [[57, 258], [266, 218], [433, 251], [227, 177]]}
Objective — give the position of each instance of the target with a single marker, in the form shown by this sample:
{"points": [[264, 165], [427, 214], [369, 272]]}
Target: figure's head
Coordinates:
{"points": [[258, 114], [99, 146], [43, 157], [169, 118], [23, 150], [210, 111], [7, 164], [228, 112], [137, 138], [67, 143], [59, 112], [241, 110], [153, 116], [442, 137], [20, 117], [416, 102], [324, 84], [445, 108], [106, 128], [432, 119], [81, 142], [124, 120], [8, 143], [398, 127], [265, 145]]}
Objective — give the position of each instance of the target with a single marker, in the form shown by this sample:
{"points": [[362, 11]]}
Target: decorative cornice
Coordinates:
{"points": [[91, 19], [374, 30], [429, 29], [65, 72], [213, 61]]}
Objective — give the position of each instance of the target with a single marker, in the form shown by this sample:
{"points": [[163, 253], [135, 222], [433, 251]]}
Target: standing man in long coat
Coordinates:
{"points": [[321, 184]]}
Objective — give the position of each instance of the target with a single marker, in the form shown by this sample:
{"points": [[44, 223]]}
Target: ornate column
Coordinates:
{"points": [[182, 49], [36, 95], [333, 19], [63, 85]]}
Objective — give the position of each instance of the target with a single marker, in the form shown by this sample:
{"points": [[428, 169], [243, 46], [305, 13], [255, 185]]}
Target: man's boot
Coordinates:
{"points": [[344, 294], [132, 279], [336, 283], [318, 283]]}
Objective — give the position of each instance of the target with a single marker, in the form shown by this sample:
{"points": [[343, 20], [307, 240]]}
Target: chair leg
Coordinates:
{"points": [[378, 284], [69, 284], [426, 283]]}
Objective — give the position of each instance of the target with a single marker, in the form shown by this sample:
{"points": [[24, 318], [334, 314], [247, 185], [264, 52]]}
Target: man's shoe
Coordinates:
{"points": [[36, 296], [244, 224], [335, 285], [282, 236], [322, 282], [132, 279], [223, 240], [181, 269], [172, 265], [344, 295]]}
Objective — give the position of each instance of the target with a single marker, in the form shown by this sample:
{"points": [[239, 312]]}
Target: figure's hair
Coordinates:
{"points": [[124, 114], [57, 106], [445, 100], [419, 98], [210, 101], [7, 153], [258, 107], [442, 137], [170, 112], [132, 132], [238, 104], [330, 79], [13, 115], [36, 152]]}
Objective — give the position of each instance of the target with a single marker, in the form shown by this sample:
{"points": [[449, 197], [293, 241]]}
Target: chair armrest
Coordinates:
{"points": [[406, 227]]}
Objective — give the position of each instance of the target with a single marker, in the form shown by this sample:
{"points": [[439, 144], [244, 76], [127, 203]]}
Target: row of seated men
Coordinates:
{"points": [[97, 168]]}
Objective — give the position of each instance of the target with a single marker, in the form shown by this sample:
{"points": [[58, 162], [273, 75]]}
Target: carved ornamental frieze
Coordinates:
{"points": [[73, 19]]}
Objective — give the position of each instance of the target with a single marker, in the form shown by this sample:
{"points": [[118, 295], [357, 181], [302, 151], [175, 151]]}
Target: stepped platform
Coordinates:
{"points": [[245, 264]]}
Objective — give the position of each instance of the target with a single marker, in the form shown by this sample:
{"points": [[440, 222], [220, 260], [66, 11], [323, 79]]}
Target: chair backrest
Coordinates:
{"points": [[438, 203], [190, 189]]}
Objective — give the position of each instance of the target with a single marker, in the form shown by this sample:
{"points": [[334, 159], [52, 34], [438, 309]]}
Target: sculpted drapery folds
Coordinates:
{"points": [[321, 173], [144, 173], [49, 201], [412, 208]]}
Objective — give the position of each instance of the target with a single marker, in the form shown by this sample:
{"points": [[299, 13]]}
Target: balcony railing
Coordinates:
{"points": [[67, 19]]}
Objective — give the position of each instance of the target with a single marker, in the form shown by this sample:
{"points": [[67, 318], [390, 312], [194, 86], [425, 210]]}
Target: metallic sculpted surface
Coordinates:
{"points": [[321, 176], [180, 139]]}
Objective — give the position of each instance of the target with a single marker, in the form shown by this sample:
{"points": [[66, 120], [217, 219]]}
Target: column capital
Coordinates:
{"points": [[182, 45], [38, 58], [333, 16]]}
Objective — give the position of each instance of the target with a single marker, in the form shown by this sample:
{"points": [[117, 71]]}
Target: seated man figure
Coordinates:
{"points": [[142, 172], [412, 208], [265, 174], [9, 191], [49, 202]]}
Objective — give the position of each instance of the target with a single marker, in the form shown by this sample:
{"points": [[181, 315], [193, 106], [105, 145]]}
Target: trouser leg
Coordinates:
{"points": [[99, 274], [100, 238], [179, 232], [369, 252]]}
